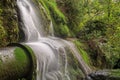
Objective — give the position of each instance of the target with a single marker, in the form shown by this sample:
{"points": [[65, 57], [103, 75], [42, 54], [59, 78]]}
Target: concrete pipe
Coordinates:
{"points": [[16, 62]]}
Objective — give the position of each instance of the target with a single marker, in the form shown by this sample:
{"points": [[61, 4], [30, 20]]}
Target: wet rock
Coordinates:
{"points": [[88, 78], [104, 75]]}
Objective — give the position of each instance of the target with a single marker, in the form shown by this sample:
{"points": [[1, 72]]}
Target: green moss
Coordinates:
{"points": [[2, 36], [32, 54], [24, 55], [55, 12], [59, 20], [20, 55], [15, 63], [84, 55], [62, 31], [8, 22], [45, 16], [42, 2]]}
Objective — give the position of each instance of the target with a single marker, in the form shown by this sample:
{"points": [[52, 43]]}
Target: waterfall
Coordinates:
{"points": [[31, 20], [51, 54]]}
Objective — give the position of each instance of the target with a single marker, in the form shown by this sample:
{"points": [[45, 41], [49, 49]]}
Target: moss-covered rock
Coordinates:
{"points": [[82, 52], [8, 22], [59, 20], [105, 75]]}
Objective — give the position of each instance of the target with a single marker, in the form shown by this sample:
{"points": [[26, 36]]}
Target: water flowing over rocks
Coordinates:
{"points": [[51, 52], [56, 58]]}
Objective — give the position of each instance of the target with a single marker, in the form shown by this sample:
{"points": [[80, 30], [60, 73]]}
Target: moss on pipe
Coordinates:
{"points": [[16, 63]]}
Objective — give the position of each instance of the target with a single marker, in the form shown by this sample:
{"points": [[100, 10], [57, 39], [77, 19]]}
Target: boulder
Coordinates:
{"points": [[105, 75]]}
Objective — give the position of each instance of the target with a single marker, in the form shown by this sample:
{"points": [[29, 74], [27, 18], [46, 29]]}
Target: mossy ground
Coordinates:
{"points": [[82, 52]]}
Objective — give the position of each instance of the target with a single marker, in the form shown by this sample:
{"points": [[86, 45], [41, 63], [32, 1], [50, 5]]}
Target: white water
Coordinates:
{"points": [[51, 59], [50, 52], [31, 20]]}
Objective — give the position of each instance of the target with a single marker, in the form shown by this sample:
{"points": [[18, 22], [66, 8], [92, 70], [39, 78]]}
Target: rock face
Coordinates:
{"points": [[8, 22], [104, 75]]}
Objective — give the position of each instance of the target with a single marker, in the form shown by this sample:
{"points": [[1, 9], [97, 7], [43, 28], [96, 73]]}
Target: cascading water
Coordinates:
{"points": [[31, 20], [50, 52]]}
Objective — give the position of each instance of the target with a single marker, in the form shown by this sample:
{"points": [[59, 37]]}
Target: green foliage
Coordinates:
{"points": [[89, 20], [62, 31], [115, 72], [101, 21], [112, 53], [73, 11], [93, 29]]}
